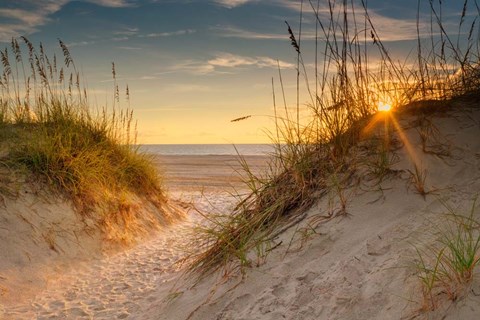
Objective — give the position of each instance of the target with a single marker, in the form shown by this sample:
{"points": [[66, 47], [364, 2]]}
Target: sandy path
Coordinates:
{"points": [[112, 288], [121, 285]]}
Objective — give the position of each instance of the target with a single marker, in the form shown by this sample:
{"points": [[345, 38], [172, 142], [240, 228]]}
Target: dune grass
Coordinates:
{"points": [[446, 267], [315, 152], [52, 133]]}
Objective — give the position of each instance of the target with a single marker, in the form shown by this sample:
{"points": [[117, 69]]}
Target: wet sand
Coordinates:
{"points": [[210, 172]]}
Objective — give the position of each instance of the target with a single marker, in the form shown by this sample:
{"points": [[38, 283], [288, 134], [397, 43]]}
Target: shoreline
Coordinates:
{"points": [[206, 172]]}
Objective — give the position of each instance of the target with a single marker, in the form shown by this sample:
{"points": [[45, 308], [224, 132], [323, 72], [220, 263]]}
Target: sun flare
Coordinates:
{"points": [[384, 107]]}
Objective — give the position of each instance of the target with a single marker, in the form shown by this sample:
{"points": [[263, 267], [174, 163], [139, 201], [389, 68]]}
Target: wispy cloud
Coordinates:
{"points": [[24, 22], [120, 38], [228, 60], [167, 34], [80, 43], [129, 48], [149, 78], [127, 31], [26, 17], [225, 63], [233, 3], [388, 28], [113, 3], [9, 30], [233, 32], [392, 29], [129, 34], [191, 67]]}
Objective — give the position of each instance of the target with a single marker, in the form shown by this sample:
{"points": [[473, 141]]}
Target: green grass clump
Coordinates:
{"points": [[447, 266], [50, 131], [315, 150]]}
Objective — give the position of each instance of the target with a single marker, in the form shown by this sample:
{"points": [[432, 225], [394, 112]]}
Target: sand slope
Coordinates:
{"points": [[359, 266], [117, 286], [43, 237], [39, 235]]}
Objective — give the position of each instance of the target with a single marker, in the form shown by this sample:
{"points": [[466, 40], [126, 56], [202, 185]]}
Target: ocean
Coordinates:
{"points": [[207, 149]]}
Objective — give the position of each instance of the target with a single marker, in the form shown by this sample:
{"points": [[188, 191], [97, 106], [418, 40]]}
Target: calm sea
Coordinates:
{"points": [[207, 149]]}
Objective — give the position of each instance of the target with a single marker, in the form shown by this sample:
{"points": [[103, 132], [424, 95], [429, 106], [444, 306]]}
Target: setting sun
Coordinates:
{"points": [[384, 107]]}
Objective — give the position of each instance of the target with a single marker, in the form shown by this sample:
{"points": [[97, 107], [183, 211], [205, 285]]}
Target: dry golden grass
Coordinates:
{"points": [[316, 156], [51, 132]]}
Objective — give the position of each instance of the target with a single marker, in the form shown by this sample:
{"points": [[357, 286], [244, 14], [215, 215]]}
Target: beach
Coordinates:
{"points": [[239, 160], [121, 285], [360, 265], [209, 172]]}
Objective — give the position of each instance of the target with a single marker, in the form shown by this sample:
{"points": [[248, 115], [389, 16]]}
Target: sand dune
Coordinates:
{"points": [[358, 266]]}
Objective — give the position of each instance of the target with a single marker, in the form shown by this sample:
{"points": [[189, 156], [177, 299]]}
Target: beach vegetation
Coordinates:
{"points": [[52, 133], [316, 145], [418, 178], [380, 165], [447, 266]]}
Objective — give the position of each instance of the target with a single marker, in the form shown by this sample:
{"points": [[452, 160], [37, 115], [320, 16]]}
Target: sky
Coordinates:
{"points": [[194, 65]]}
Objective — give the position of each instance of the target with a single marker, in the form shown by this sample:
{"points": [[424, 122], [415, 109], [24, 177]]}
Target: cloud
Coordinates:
{"points": [[233, 32], [233, 3], [132, 33], [392, 29], [27, 21], [168, 34], [127, 32], [120, 38], [388, 28], [23, 21], [26, 17], [80, 43], [224, 63], [228, 60], [9, 30], [191, 67], [112, 3], [129, 48]]}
